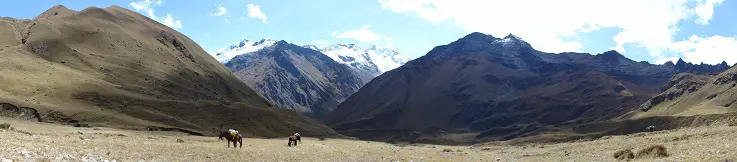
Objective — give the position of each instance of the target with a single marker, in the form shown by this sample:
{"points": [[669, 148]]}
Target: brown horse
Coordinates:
{"points": [[229, 137], [292, 139]]}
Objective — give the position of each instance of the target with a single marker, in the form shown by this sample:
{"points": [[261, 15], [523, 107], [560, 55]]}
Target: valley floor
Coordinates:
{"points": [[29, 141]]}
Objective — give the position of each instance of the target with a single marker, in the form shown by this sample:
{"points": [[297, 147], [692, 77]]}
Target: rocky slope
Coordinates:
{"points": [[297, 78], [117, 68], [485, 88], [688, 94]]}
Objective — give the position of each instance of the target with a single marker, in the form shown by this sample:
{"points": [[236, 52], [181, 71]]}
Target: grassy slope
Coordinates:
{"points": [[117, 68]]}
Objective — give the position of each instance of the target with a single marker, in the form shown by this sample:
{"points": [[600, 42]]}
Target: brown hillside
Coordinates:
{"points": [[688, 97], [114, 67]]}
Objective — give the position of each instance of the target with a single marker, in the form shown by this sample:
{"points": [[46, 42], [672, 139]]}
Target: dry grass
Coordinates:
{"points": [[68, 143]]}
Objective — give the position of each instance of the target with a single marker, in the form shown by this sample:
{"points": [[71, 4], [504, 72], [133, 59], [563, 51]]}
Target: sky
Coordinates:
{"points": [[643, 30]]}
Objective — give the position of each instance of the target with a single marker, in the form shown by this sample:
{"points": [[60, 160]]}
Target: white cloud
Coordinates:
{"points": [[710, 50], [255, 12], [169, 21], [146, 6], [362, 35], [546, 24], [222, 11], [705, 10]]}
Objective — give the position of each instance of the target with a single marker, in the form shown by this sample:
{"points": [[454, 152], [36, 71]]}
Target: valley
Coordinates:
{"points": [[113, 84]]}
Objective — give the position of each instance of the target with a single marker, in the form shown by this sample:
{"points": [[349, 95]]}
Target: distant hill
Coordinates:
{"points": [[482, 88], [298, 78], [114, 67], [689, 94]]}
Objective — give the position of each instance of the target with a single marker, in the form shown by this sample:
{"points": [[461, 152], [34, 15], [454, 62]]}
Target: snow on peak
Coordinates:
{"points": [[512, 40], [245, 46], [373, 60], [312, 47]]}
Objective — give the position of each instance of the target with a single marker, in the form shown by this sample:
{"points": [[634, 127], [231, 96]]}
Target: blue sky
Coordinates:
{"points": [[644, 30]]}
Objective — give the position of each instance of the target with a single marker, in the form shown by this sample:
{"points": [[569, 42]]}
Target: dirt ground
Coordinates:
{"points": [[28, 141]]}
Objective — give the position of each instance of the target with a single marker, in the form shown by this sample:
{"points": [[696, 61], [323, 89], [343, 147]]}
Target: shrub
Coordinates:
{"points": [[447, 150], [653, 151], [5, 126], [180, 141], [321, 138], [624, 154]]}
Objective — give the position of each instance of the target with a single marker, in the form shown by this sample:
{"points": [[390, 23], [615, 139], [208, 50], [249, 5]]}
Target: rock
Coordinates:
{"points": [[624, 154], [498, 159], [180, 141]]}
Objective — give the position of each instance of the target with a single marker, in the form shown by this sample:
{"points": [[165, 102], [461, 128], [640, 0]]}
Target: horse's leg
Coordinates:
{"points": [[240, 140], [228, 143]]}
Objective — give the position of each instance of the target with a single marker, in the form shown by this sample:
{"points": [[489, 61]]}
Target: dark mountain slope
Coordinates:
{"points": [[486, 88], [297, 78]]}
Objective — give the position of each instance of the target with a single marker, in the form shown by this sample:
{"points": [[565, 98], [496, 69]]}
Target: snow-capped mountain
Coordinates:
{"points": [[245, 46], [385, 58], [368, 63]]}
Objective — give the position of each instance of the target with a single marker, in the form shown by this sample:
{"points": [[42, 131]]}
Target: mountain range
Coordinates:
{"points": [[116, 68], [482, 88], [298, 78], [305, 78], [367, 63]]}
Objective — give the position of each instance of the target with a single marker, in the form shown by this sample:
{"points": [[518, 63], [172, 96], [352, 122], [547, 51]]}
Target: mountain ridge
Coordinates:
{"points": [[298, 78], [114, 67], [368, 63], [528, 92]]}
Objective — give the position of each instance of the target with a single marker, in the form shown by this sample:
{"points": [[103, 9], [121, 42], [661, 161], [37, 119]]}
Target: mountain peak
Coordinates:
{"points": [[337, 46], [512, 36], [680, 62], [56, 10], [669, 63], [243, 47], [479, 36], [612, 56], [612, 52]]}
